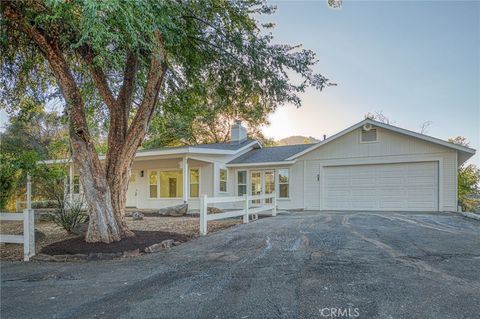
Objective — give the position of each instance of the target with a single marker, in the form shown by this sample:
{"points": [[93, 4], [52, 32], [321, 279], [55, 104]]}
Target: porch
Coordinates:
{"points": [[158, 182]]}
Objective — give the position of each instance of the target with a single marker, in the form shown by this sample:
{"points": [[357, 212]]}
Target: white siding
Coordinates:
{"points": [[391, 148]]}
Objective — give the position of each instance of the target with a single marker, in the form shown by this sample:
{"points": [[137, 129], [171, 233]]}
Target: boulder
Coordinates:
{"points": [[137, 216], [164, 245], [174, 211], [80, 229], [214, 210], [131, 253]]}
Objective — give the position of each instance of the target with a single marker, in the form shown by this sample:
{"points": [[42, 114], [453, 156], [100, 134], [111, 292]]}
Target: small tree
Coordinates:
{"points": [[468, 185], [468, 180]]}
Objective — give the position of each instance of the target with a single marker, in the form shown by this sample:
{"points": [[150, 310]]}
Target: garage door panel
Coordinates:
{"points": [[402, 186]]}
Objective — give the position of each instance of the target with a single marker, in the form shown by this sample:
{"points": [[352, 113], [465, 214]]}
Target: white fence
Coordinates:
{"points": [[267, 202], [28, 237]]}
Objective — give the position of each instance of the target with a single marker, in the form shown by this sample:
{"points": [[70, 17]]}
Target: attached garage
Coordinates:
{"points": [[369, 166], [389, 186]]}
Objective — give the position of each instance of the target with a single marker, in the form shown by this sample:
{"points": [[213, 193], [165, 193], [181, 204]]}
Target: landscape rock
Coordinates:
{"points": [[43, 257], [60, 258], [131, 253], [214, 210], [103, 256], [128, 214], [164, 245], [174, 211], [176, 243], [137, 216], [80, 229]]}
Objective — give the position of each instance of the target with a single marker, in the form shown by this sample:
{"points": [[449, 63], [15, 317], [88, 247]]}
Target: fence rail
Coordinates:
{"points": [[28, 237], [245, 212]]}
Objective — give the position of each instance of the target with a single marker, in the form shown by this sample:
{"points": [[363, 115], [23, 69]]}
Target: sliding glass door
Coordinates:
{"points": [[256, 185], [262, 182]]}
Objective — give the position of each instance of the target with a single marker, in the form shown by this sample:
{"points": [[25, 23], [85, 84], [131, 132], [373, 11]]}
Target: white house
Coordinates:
{"points": [[368, 166]]}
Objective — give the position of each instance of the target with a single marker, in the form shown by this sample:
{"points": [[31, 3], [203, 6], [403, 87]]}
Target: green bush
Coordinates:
{"points": [[69, 215]]}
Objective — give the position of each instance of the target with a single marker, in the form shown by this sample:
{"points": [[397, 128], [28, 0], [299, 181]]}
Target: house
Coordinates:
{"points": [[367, 166]]}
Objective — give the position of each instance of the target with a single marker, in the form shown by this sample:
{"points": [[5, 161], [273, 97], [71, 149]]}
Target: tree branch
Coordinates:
{"points": [[100, 80], [155, 78], [129, 81]]}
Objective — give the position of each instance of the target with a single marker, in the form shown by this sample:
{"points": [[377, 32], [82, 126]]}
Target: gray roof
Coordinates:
{"points": [[269, 154], [215, 146]]}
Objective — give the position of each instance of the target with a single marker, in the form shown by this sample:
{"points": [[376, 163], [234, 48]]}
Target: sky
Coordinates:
{"points": [[413, 61]]}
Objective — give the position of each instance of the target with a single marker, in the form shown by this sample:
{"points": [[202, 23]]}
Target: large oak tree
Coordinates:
{"points": [[124, 59]]}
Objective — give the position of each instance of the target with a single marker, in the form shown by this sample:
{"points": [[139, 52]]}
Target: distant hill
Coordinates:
{"points": [[297, 139]]}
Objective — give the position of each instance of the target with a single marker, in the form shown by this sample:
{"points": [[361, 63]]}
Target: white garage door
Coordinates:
{"points": [[405, 186]]}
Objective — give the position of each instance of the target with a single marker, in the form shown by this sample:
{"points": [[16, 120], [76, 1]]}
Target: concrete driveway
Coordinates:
{"points": [[302, 265]]}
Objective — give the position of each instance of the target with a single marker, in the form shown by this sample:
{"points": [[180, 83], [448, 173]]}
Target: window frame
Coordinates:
{"points": [[278, 170], [70, 188], [160, 184], [244, 184], [190, 182], [157, 184], [220, 180]]}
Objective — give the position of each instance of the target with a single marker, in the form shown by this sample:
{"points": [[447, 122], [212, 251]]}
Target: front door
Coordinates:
{"points": [[132, 191]]}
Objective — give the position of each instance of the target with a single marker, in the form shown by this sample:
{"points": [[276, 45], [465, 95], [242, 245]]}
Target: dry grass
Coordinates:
{"points": [[183, 225]]}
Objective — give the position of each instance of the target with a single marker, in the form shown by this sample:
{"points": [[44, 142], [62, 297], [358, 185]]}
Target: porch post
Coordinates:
{"points": [[186, 173], [70, 184]]}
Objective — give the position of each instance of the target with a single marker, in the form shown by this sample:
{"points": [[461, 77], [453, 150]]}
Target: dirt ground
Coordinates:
{"points": [[187, 226]]}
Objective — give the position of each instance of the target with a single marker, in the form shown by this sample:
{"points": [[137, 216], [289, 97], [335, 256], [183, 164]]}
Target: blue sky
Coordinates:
{"points": [[414, 61]]}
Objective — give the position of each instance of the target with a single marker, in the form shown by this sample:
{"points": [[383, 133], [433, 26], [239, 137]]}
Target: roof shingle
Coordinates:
{"points": [[269, 154]]}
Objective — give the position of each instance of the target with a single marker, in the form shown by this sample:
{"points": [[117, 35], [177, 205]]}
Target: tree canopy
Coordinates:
{"points": [[115, 63]]}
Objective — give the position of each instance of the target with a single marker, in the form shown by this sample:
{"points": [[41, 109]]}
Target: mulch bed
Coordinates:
{"points": [[142, 240]]}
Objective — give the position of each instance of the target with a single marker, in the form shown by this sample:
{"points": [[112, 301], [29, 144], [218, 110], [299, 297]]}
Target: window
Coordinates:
{"points": [[194, 182], [242, 183], [283, 183], [153, 182], [369, 136], [76, 185], [223, 180], [256, 185], [171, 184], [269, 177]]}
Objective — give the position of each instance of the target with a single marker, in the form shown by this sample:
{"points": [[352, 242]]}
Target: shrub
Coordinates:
{"points": [[44, 204], [69, 215]]}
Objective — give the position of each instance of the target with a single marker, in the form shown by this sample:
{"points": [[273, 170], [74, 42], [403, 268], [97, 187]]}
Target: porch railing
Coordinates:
{"points": [[245, 212]]}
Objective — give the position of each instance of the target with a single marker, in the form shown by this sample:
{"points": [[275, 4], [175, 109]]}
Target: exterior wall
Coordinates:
{"points": [[295, 200], [391, 148]]}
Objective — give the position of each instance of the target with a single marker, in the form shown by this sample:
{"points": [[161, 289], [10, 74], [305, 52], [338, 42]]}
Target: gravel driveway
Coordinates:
{"points": [[302, 265]]}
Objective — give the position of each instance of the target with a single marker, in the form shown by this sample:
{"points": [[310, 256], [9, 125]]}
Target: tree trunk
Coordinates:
{"points": [[118, 184], [105, 189], [103, 225]]}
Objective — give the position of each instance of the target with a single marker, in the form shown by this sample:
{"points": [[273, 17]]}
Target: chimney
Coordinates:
{"points": [[324, 137], [238, 133]]}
